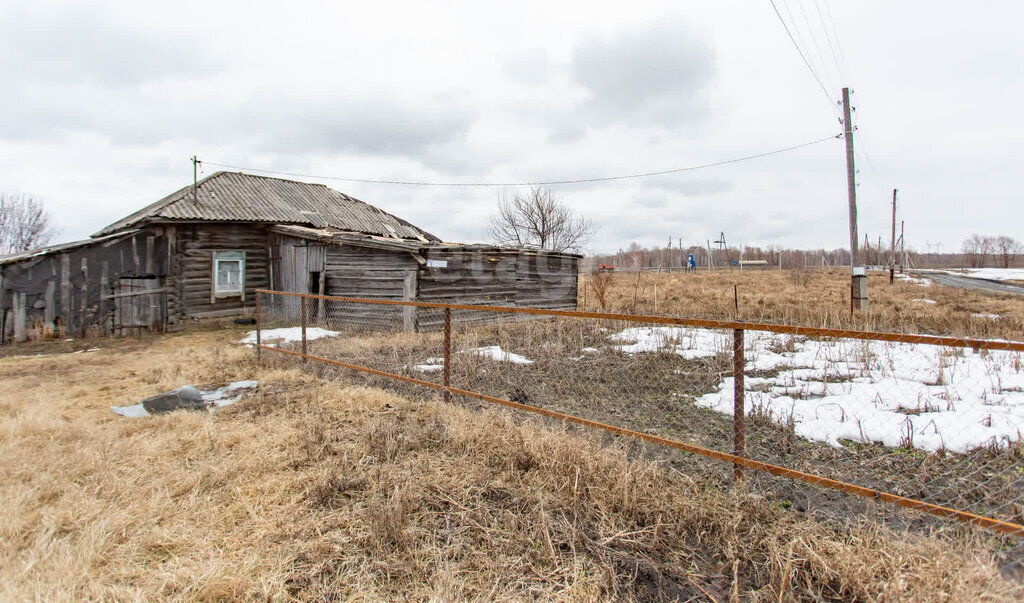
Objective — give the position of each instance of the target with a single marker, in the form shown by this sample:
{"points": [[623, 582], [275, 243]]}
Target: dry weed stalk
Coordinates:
{"points": [[318, 490]]}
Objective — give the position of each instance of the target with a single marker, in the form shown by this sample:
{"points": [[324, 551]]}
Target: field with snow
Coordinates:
{"points": [[992, 274], [896, 394]]}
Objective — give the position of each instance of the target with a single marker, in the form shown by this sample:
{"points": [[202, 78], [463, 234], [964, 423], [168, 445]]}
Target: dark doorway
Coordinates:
{"points": [[314, 288]]}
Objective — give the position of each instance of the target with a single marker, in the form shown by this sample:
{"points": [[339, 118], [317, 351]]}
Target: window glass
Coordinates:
{"points": [[228, 273]]}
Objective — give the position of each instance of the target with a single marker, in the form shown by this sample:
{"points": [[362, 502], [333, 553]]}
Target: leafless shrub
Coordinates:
{"points": [[24, 223], [541, 219], [601, 283]]}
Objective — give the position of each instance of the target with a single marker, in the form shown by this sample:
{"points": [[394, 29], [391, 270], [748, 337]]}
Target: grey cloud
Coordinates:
{"points": [[373, 124], [689, 188], [531, 67], [656, 75], [76, 43]]}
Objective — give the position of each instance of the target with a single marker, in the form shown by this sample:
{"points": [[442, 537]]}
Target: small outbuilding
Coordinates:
{"points": [[203, 250]]}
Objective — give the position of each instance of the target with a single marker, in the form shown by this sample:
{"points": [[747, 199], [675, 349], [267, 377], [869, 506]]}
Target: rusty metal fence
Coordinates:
{"points": [[841, 424]]}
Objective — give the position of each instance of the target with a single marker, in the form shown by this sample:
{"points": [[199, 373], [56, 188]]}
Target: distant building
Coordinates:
{"points": [[202, 251]]}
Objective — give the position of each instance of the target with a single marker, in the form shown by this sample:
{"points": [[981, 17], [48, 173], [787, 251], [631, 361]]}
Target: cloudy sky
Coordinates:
{"points": [[104, 103]]}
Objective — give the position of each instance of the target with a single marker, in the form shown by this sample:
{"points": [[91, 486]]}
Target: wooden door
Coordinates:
{"points": [[140, 304]]}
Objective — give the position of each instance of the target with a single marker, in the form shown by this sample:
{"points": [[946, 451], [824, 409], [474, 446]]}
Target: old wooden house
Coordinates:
{"points": [[202, 251]]}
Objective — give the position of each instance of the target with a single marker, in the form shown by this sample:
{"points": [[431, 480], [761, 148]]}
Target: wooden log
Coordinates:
{"points": [[135, 256], [83, 319], [409, 294], [104, 318], [65, 294], [50, 312], [20, 317], [150, 254]]}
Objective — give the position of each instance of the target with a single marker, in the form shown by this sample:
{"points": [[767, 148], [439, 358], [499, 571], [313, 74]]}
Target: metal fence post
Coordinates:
{"points": [[738, 428], [259, 317], [302, 304], [447, 352]]}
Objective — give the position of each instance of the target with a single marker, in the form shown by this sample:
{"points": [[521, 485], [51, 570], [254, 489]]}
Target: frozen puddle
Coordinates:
{"points": [[216, 398], [898, 394], [275, 337]]}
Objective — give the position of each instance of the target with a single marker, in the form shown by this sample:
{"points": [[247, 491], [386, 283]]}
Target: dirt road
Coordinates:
{"points": [[969, 282]]}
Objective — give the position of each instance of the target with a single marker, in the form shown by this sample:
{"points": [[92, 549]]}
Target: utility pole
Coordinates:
{"points": [[858, 276], [195, 179], [892, 248], [903, 252]]}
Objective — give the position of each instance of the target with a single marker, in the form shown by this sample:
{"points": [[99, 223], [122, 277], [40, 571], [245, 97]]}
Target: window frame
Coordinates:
{"points": [[227, 256]]}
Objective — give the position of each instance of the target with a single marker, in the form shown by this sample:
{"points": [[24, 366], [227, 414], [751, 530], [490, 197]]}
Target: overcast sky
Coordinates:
{"points": [[103, 103]]}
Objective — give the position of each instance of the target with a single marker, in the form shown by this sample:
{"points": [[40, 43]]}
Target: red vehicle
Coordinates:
{"points": [[605, 268]]}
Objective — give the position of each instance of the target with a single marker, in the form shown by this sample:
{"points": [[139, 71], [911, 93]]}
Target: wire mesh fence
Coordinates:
{"points": [[843, 424]]}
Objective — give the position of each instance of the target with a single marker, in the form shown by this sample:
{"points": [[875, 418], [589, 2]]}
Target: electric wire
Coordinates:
{"points": [[828, 38], [802, 56], [835, 36], [532, 183], [822, 61]]}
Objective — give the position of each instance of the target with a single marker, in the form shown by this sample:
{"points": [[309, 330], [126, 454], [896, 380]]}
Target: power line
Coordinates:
{"points": [[801, 53], [828, 38], [536, 183], [835, 35], [822, 62]]}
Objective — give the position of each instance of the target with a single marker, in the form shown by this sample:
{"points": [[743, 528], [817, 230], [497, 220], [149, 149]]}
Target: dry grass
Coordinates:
{"points": [[812, 298], [314, 489]]}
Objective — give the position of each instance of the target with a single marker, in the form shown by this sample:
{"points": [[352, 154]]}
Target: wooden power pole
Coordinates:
{"points": [[892, 247], [858, 275]]}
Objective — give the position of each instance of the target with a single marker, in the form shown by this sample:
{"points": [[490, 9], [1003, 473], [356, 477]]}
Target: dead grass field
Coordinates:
{"points": [[811, 298], [318, 489]]}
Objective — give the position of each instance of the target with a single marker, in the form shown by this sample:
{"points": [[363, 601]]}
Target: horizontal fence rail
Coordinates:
{"points": [[640, 383]]}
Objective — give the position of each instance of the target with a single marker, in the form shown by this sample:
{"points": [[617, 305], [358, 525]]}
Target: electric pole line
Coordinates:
{"points": [[892, 247], [858, 276], [195, 179]]}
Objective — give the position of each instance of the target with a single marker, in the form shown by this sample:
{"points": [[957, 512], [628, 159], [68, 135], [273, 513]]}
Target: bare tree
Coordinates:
{"points": [[1006, 249], [24, 223], [539, 218], [976, 250]]}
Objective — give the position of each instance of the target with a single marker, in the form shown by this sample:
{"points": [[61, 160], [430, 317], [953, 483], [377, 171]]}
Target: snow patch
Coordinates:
{"points": [[897, 394], [923, 301], [495, 352], [994, 274], [917, 281], [275, 337], [685, 342], [987, 316]]}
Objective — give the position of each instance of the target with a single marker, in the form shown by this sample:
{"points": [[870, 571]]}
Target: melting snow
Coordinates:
{"points": [[995, 274], [274, 337], [895, 393], [495, 352], [430, 365], [688, 343], [924, 301], [917, 281]]}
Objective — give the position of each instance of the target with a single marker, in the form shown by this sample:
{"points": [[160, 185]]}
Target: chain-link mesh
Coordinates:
{"points": [[939, 425]]}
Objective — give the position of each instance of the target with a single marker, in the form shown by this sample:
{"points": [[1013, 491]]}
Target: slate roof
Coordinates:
{"points": [[238, 197]]}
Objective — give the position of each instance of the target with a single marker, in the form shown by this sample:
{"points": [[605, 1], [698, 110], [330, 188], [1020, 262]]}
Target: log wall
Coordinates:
{"points": [[72, 292], [193, 269]]}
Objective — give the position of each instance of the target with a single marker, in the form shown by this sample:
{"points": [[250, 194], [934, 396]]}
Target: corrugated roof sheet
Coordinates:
{"points": [[238, 197]]}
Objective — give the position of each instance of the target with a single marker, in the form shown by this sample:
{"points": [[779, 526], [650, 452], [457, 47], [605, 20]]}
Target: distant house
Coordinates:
{"points": [[202, 251]]}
